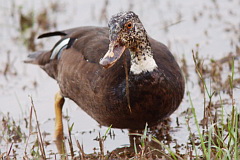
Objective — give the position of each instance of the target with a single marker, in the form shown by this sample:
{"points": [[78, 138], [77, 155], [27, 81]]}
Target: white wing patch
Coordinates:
{"points": [[59, 47]]}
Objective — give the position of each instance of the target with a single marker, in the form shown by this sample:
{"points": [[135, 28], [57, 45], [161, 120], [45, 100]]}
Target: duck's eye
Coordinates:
{"points": [[129, 25]]}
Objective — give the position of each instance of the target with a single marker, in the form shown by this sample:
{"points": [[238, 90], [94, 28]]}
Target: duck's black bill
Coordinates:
{"points": [[114, 53]]}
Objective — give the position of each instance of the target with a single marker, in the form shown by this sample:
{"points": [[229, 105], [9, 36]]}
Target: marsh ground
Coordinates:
{"points": [[210, 30]]}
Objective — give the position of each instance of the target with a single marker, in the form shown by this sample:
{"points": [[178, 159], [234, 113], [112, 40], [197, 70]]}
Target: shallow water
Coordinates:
{"points": [[213, 25]]}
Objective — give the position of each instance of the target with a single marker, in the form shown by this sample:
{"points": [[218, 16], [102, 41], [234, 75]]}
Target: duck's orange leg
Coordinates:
{"points": [[59, 139]]}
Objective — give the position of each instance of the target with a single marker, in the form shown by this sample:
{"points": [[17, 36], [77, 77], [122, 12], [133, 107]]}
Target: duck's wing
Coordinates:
{"points": [[91, 43]]}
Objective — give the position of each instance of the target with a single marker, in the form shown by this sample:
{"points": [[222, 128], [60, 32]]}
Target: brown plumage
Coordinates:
{"points": [[101, 92]]}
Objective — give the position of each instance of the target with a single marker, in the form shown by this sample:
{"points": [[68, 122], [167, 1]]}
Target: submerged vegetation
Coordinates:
{"points": [[212, 123]]}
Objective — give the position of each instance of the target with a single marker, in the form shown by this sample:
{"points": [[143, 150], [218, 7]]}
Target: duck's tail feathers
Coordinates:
{"points": [[33, 58], [57, 33], [50, 34]]}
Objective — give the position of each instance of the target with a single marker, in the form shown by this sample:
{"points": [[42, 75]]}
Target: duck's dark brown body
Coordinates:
{"points": [[102, 92]]}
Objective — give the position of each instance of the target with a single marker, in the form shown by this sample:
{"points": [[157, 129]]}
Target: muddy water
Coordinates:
{"points": [[213, 25]]}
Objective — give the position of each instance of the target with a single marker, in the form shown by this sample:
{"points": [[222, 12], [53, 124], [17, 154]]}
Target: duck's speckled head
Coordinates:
{"points": [[125, 30]]}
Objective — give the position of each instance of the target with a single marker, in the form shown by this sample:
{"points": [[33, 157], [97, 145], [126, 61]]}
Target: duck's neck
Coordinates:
{"points": [[142, 58]]}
